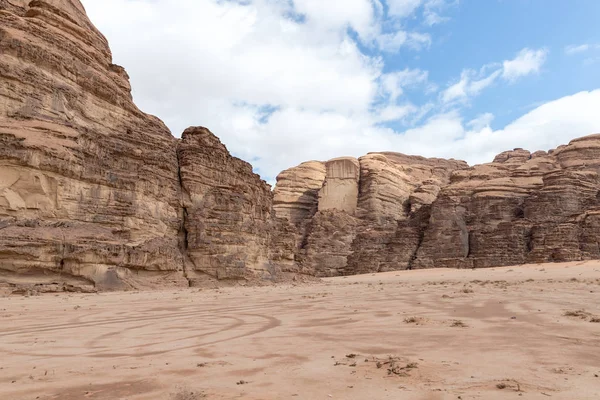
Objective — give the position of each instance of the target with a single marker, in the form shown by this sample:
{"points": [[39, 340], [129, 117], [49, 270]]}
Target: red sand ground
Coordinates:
{"points": [[498, 333]]}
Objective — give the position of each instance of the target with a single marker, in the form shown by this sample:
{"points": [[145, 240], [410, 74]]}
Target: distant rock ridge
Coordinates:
{"points": [[97, 195]]}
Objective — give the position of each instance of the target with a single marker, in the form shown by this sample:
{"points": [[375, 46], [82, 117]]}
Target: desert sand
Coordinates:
{"points": [[518, 332]]}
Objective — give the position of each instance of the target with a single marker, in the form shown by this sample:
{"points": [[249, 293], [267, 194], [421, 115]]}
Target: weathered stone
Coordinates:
{"points": [[227, 209], [513, 156], [340, 188], [89, 191], [518, 210], [296, 195], [95, 194], [384, 193], [328, 243]]}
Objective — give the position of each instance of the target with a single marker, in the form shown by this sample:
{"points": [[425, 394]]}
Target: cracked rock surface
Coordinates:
{"points": [[97, 195]]}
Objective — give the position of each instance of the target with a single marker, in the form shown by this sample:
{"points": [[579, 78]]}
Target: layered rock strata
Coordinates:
{"points": [[365, 208], [95, 194], [413, 212], [89, 189], [522, 208], [227, 209]]}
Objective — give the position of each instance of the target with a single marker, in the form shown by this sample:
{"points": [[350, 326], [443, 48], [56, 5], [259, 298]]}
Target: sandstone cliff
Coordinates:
{"points": [[95, 194], [227, 210], [369, 214], [89, 189], [412, 212], [522, 208]]}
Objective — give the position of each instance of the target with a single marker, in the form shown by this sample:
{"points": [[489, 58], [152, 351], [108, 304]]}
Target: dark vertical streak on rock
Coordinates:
{"points": [[423, 226], [183, 233]]}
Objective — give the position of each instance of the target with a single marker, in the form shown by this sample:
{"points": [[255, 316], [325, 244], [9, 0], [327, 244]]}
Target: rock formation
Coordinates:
{"points": [[522, 208], [340, 187], [89, 189], [413, 212], [369, 214], [227, 210], [297, 194], [95, 194]]}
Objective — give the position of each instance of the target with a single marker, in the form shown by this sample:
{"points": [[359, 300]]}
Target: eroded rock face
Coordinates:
{"points": [[413, 212], [340, 188], [296, 197], [89, 190], [370, 212], [227, 210], [95, 194], [518, 209], [327, 243]]}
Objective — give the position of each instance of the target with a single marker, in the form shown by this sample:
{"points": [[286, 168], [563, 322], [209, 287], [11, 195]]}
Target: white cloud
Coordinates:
{"points": [[470, 84], [392, 42], [581, 48], [403, 8], [526, 62], [281, 84], [432, 9], [336, 14], [324, 136], [395, 113], [433, 18], [207, 52], [544, 128], [432, 12], [393, 83], [574, 49], [458, 90], [481, 122]]}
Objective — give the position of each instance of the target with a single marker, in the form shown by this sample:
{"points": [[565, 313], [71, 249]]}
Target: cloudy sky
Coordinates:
{"points": [[286, 81]]}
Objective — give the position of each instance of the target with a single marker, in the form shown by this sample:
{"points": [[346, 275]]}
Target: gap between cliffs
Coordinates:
{"points": [[183, 233], [423, 226]]}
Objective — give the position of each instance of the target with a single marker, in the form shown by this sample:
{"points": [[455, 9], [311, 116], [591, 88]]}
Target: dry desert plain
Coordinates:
{"points": [[527, 332]]}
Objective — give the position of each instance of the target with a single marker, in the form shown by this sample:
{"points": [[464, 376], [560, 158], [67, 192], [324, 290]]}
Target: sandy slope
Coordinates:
{"points": [[291, 342]]}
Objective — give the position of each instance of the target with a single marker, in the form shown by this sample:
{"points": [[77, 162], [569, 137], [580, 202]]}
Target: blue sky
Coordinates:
{"points": [[286, 81], [481, 32]]}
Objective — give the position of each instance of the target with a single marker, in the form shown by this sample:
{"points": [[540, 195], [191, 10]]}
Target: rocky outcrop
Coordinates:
{"points": [[89, 190], [522, 208], [95, 194], [365, 208], [297, 196], [396, 191], [227, 210], [413, 212], [327, 243], [340, 188]]}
